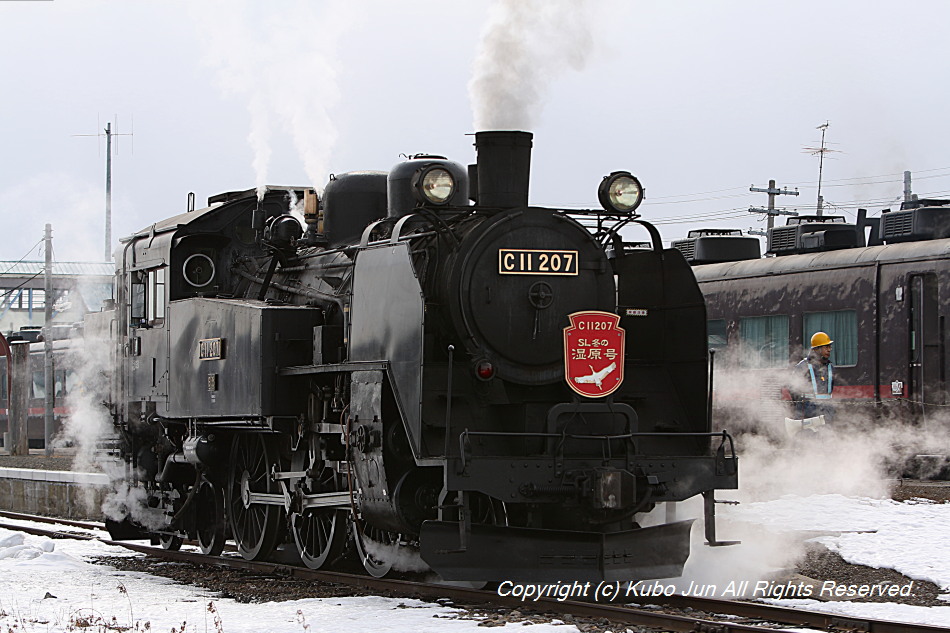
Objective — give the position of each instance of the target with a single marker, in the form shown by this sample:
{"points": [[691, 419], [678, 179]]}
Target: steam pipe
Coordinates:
{"points": [[709, 391], [265, 284], [123, 330], [448, 401]]}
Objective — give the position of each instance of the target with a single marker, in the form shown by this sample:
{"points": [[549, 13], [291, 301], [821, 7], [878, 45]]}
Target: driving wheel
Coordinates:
{"points": [[255, 525]]}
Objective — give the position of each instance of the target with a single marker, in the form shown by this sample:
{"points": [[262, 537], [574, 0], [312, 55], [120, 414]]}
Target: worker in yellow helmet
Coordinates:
{"points": [[812, 406]]}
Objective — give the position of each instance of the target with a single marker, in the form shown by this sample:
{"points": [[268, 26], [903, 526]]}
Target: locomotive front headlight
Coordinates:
{"points": [[620, 192], [437, 185]]}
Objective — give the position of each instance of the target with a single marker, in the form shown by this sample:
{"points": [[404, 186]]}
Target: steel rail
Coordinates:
{"points": [[44, 519], [614, 612], [54, 534], [786, 615], [414, 589]]}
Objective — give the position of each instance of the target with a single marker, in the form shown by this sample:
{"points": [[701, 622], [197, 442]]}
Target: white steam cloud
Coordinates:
{"points": [[284, 66], [88, 430], [77, 218], [259, 139], [89, 422], [854, 455], [402, 559], [524, 46]]}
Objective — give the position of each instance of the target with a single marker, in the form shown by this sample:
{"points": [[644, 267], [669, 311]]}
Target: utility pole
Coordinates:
{"points": [[908, 195], [771, 211], [48, 344], [108, 250], [20, 373]]}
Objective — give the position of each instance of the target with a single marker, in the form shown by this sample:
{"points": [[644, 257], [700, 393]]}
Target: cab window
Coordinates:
{"points": [[156, 296], [148, 298]]}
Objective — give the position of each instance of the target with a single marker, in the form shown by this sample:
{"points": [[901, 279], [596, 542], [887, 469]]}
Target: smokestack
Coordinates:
{"points": [[504, 168]]}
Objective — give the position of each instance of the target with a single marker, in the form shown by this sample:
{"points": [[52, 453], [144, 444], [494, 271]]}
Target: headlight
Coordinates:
{"points": [[436, 184], [620, 192]]}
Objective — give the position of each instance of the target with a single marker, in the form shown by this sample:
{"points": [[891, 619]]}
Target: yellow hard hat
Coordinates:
{"points": [[820, 339]]}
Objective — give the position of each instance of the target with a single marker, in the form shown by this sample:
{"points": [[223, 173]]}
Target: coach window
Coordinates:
{"points": [[39, 384], [763, 341], [62, 382], [842, 327], [716, 334], [72, 380]]}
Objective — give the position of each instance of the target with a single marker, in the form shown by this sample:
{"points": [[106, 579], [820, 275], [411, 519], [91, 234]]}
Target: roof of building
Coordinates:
{"points": [[20, 269]]}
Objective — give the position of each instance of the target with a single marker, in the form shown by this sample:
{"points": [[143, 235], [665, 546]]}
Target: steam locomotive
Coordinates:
{"points": [[505, 390]]}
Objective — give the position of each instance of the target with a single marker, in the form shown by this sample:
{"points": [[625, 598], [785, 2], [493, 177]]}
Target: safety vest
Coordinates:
{"points": [[814, 382]]}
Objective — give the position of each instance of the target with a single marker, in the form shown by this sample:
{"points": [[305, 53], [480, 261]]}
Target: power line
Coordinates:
{"points": [[712, 217], [901, 174], [809, 185], [833, 182], [736, 195], [32, 248], [28, 280], [701, 193]]}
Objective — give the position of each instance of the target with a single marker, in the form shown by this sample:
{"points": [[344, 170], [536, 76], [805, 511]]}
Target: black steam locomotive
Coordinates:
{"points": [[404, 375]]}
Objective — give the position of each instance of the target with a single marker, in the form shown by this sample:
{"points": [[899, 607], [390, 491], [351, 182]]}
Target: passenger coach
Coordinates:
{"points": [[879, 287]]}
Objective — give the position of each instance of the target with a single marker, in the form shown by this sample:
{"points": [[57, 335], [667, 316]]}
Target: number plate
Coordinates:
{"points": [[210, 349], [518, 261]]}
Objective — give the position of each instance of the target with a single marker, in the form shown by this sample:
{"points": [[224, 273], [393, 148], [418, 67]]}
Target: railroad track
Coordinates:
{"points": [[759, 618]]}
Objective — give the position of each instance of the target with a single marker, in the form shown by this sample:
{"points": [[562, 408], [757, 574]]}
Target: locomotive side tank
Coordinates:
{"points": [[404, 375]]}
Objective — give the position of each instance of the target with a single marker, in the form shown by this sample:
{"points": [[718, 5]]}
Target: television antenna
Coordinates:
{"points": [[108, 134], [820, 152]]}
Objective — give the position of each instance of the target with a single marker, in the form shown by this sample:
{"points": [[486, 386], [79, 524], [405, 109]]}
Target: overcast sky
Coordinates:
{"points": [[699, 99]]}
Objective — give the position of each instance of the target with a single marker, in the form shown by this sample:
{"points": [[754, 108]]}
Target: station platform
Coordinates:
{"points": [[48, 486]]}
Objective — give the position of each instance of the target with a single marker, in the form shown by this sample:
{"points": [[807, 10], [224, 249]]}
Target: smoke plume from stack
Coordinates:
{"points": [[285, 69], [525, 44]]}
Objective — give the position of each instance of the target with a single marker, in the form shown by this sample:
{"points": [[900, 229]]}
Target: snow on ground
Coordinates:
{"points": [[912, 538], [49, 586]]}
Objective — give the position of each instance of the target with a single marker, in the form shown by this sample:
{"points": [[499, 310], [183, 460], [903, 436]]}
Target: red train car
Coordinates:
{"points": [[34, 382]]}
